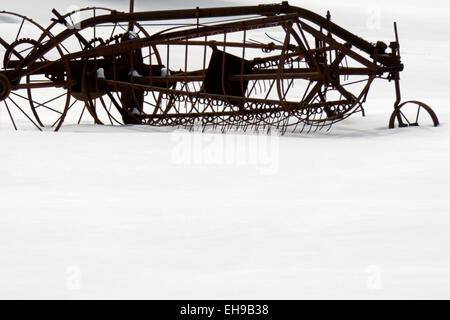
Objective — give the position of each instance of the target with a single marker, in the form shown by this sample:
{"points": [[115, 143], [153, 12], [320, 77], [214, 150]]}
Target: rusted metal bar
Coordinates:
{"points": [[302, 78]]}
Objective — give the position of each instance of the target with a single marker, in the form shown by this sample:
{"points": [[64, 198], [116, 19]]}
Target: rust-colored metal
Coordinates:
{"points": [[262, 67]]}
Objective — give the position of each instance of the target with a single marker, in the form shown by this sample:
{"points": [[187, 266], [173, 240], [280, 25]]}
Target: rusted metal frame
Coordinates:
{"points": [[186, 83], [213, 43], [334, 44], [39, 85], [198, 13], [345, 50], [342, 71], [209, 96], [303, 42], [257, 61], [40, 67], [64, 66], [152, 51], [159, 100], [310, 96], [204, 71], [87, 97], [312, 62], [396, 78], [96, 65], [62, 20], [52, 44], [223, 68], [6, 45], [238, 113], [335, 83], [244, 46], [337, 61], [31, 102], [280, 72], [116, 88], [171, 100], [398, 98], [349, 96], [357, 101], [26, 115], [132, 79], [271, 9], [245, 29], [234, 113], [116, 17], [184, 35], [299, 56], [39, 104], [131, 22], [270, 76], [158, 61], [333, 28], [361, 71]]}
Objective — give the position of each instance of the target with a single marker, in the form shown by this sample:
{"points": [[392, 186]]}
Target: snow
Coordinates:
{"points": [[137, 212]]}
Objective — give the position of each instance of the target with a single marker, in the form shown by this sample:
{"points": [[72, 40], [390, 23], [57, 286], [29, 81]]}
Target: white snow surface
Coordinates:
{"points": [[137, 212]]}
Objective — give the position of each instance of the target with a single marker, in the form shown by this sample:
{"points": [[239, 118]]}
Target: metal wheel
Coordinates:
{"points": [[413, 114], [90, 99], [40, 85], [337, 89]]}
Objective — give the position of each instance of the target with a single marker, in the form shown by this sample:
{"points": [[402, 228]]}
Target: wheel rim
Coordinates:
{"points": [[45, 92], [413, 114], [86, 104]]}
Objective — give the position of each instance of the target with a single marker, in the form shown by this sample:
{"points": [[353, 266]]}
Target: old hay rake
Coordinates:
{"points": [[252, 67]]}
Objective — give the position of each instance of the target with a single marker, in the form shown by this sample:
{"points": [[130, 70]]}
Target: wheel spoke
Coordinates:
{"points": [[418, 113], [57, 120], [39, 104], [403, 115], [20, 29], [106, 110], [10, 115], [26, 115], [81, 115]]}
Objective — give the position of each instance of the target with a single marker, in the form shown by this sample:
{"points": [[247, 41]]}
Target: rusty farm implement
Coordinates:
{"points": [[252, 67]]}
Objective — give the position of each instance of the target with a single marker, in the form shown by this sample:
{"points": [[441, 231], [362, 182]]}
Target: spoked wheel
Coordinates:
{"points": [[413, 114], [237, 86], [39, 90], [332, 96], [92, 99]]}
